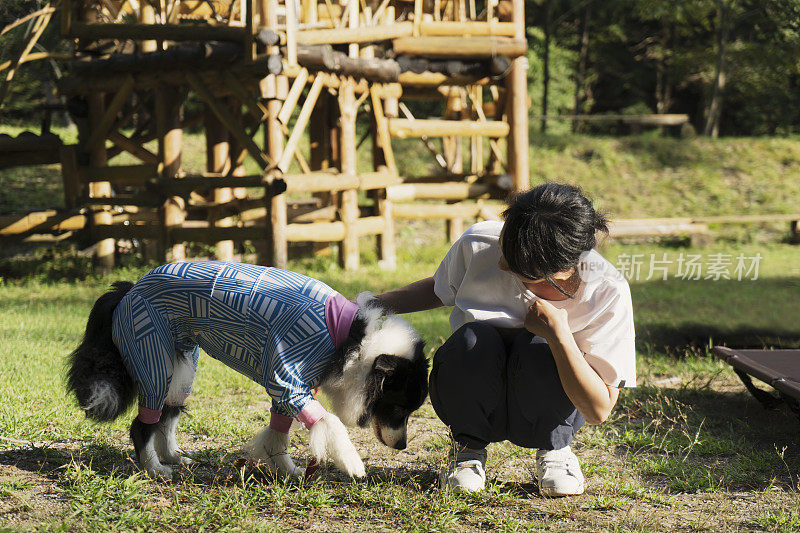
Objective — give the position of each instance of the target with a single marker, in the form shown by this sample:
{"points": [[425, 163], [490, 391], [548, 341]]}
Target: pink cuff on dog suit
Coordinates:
{"points": [[280, 423], [309, 416], [149, 416], [311, 413]]}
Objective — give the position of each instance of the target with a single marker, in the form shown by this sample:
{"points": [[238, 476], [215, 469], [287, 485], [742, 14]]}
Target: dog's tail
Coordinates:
{"points": [[96, 373]]}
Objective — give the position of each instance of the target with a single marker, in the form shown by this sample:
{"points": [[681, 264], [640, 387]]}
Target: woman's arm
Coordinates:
{"points": [[417, 296], [586, 390]]}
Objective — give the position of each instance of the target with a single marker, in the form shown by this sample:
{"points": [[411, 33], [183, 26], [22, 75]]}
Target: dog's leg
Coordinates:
{"points": [[270, 448], [328, 438], [166, 443], [143, 437], [184, 368]]}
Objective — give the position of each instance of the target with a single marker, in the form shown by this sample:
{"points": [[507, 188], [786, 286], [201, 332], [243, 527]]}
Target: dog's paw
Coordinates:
{"points": [[268, 449], [328, 439], [178, 459], [350, 463], [175, 457], [162, 472]]}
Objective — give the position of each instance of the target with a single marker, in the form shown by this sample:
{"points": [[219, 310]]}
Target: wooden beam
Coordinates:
{"points": [[363, 34], [382, 127], [132, 147], [473, 47], [163, 32], [101, 129], [225, 116], [438, 191], [295, 91], [256, 109], [428, 211], [378, 180], [291, 32], [302, 121], [42, 221], [404, 128], [463, 29], [136, 175], [438, 79], [69, 175], [320, 182], [517, 108]]}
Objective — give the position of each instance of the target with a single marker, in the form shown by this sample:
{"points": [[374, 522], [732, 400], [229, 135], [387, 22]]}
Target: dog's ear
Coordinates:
{"points": [[385, 368], [384, 364]]}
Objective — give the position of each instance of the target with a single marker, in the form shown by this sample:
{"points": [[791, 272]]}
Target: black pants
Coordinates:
{"points": [[490, 385]]}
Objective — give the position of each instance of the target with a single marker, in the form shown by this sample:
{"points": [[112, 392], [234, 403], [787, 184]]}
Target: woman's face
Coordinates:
{"points": [[541, 287]]}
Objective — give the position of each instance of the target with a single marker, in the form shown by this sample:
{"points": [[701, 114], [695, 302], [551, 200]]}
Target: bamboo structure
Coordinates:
{"points": [[296, 87]]}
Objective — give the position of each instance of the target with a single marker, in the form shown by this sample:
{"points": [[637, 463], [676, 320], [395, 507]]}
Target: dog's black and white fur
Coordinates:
{"points": [[378, 377]]}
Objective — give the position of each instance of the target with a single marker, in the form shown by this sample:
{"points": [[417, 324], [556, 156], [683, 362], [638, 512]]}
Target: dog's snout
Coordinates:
{"points": [[400, 445]]}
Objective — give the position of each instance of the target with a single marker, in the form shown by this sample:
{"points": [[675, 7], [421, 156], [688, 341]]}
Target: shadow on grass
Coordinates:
{"points": [[692, 334], [102, 458], [703, 440]]}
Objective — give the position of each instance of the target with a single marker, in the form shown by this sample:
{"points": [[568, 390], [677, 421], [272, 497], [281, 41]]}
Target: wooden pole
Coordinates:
{"points": [[218, 160], [349, 254], [170, 136], [517, 110], [69, 176], [278, 250], [448, 46], [403, 128], [147, 15], [291, 33], [453, 153], [354, 35], [104, 248], [302, 121], [383, 159], [320, 158]]}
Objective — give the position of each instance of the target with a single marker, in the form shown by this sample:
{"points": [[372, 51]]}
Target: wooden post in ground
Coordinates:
{"points": [[517, 108], [320, 155], [105, 248], [387, 255], [348, 254], [218, 160], [274, 89], [170, 137], [147, 15], [453, 153]]}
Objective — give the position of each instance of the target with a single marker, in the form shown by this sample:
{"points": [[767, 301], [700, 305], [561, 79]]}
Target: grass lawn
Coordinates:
{"points": [[688, 449]]}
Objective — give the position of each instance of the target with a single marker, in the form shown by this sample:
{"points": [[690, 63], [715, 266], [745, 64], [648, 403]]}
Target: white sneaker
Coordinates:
{"points": [[465, 471], [558, 473]]}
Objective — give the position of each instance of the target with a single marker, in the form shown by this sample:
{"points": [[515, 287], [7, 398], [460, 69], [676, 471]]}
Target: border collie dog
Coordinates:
{"points": [[286, 331]]}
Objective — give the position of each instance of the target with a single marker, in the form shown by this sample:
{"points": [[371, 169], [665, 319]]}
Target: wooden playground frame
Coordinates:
{"points": [[267, 72]]}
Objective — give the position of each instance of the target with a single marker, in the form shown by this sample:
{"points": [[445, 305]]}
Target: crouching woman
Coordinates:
{"points": [[542, 336]]}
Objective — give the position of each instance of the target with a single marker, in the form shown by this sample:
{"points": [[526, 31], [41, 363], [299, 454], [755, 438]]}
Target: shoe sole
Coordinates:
{"points": [[553, 494]]}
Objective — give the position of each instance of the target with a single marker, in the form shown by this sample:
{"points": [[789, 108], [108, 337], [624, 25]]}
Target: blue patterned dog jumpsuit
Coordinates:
{"points": [[266, 323]]}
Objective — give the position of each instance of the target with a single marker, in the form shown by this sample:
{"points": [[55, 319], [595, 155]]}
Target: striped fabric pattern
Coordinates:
{"points": [[263, 322]]}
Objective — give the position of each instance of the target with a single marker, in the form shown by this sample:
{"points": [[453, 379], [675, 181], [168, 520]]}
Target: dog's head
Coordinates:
{"points": [[397, 382]]}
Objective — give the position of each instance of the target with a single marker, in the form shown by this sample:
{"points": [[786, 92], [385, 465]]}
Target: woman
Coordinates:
{"points": [[542, 338]]}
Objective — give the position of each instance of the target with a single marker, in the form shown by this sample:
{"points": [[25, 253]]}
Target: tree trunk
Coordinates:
{"points": [[548, 21], [720, 71], [580, 77]]}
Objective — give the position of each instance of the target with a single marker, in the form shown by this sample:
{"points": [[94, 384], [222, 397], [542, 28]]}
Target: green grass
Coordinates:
{"points": [[663, 453]]}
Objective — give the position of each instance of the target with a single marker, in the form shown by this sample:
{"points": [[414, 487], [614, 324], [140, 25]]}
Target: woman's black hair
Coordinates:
{"points": [[547, 229]]}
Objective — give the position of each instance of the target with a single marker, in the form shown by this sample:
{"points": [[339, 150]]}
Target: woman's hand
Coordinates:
{"points": [[545, 320]]}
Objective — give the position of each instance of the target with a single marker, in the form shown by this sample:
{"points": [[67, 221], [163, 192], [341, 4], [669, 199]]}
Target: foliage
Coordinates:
{"points": [[661, 55]]}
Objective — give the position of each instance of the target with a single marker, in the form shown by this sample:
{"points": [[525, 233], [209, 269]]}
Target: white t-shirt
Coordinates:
{"points": [[600, 314]]}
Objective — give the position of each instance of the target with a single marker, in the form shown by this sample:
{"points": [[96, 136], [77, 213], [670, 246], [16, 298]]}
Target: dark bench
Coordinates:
{"points": [[778, 368]]}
